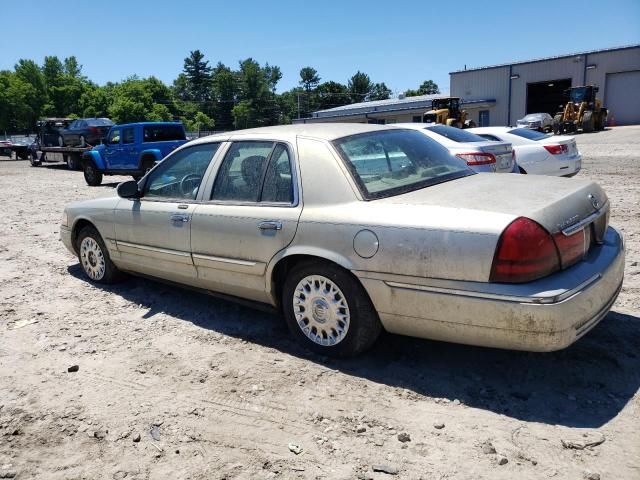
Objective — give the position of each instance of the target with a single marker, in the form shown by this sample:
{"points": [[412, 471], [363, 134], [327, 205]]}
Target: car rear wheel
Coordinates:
{"points": [[91, 174], [94, 257], [328, 310]]}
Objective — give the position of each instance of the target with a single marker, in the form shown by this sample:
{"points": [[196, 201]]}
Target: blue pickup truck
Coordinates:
{"points": [[131, 149]]}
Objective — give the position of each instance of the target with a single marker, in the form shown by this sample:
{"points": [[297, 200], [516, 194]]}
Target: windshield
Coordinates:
{"points": [[529, 134], [455, 134], [387, 163], [99, 122], [532, 117], [578, 95]]}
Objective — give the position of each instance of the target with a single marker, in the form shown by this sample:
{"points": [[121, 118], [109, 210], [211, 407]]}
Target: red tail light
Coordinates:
{"points": [[478, 158], [94, 130], [572, 248], [525, 252], [556, 149]]}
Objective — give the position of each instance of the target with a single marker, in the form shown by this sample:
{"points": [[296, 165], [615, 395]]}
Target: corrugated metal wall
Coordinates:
{"points": [[493, 82]]}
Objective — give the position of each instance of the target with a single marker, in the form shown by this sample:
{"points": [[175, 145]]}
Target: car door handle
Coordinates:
{"points": [[270, 225], [179, 217]]}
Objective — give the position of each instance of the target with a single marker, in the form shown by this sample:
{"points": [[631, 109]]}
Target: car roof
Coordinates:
{"points": [[321, 131], [146, 123]]}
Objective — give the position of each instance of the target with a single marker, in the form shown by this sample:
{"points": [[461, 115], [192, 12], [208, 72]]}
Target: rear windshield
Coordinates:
{"points": [[387, 163], [455, 134], [163, 133], [528, 133], [99, 122]]}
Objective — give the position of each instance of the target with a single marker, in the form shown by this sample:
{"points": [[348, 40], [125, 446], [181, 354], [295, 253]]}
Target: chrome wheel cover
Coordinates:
{"points": [[321, 310], [92, 258]]}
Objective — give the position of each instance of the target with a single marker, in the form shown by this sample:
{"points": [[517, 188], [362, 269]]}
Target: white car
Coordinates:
{"points": [[543, 122], [537, 153], [481, 155]]}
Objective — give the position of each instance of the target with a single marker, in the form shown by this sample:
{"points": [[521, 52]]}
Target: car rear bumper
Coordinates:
{"points": [[545, 315]]}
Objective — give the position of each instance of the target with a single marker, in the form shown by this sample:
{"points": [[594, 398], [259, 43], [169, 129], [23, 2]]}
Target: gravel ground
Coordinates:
{"points": [[173, 384]]}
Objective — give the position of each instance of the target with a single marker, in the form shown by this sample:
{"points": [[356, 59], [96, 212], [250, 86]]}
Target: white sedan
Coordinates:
{"points": [[537, 153], [481, 155]]}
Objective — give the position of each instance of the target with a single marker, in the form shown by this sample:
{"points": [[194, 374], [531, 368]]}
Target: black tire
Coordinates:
{"points": [[33, 161], [587, 122], [364, 325], [91, 263], [555, 125], [92, 176], [72, 160]]}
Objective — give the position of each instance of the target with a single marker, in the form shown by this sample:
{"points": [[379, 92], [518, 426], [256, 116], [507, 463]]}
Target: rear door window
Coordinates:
{"points": [[127, 135], [163, 133]]}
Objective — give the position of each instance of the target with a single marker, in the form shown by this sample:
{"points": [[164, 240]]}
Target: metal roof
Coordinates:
{"points": [[544, 59]]}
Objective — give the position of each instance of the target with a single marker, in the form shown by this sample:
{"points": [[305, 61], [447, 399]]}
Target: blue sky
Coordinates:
{"points": [[400, 44]]}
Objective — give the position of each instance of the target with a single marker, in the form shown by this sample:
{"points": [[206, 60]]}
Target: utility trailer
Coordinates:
{"points": [[69, 155]]}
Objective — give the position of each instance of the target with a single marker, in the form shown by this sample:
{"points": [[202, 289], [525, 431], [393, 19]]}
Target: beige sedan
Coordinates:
{"points": [[349, 229]]}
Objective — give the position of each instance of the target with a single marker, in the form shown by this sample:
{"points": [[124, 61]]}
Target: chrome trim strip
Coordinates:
{"points": [[496, 296], [234, 261], [585, 221], [153, 249]]}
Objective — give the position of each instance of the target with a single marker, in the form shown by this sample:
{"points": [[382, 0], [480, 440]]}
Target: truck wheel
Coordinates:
{"points": [[587, 122], [92, 176], [73, 161], [33, 160], [555, 124], [328, 310]]}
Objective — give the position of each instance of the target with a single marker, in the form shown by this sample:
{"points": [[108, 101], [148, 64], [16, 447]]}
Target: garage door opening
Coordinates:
{"points": [[547, 96]]}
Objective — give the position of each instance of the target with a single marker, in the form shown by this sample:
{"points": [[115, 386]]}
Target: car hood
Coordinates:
{"points": [[555, 203]]}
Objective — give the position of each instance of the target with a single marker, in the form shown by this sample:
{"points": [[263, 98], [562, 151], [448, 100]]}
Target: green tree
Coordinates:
{"points": [[379, 91], [428, 87], [30, 73], [225, 89], [16, 111], [332, 94], [359, 87], [198, 76], [309, 78]]}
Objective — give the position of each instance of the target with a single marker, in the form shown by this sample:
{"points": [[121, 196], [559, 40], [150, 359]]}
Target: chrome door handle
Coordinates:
{"points": [[270, 225], [179, 217]]}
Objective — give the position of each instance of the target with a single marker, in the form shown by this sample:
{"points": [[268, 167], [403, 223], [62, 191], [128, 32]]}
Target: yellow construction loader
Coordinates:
{"points": [[582, 112], [446, 111]]}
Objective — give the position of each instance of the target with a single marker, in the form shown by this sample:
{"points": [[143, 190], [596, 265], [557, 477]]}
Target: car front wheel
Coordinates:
{"points": [[91, 174], [94, 257], [328, 310]]}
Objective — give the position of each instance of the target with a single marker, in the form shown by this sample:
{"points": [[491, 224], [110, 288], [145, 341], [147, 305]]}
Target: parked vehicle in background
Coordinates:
{"points": [[479, 153], [5, 148], [84, 132], [50, 129], [447, 111], [538, 153], [351, 228], [131, 149], [582, 112], [542, 122]]}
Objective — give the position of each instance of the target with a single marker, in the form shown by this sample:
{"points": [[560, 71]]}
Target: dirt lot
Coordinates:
{"points": [[173, 384]]}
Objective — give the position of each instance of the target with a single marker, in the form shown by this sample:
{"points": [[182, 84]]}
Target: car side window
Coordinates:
{"points": [[241, 173], [278, 180], [127, 135], [114, 136], [179, 175]]}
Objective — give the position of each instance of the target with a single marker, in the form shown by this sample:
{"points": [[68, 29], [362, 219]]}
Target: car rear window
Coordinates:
{"points": [[163, 133], [455, 134], [387, 163], [99, 122], [529, 134]]}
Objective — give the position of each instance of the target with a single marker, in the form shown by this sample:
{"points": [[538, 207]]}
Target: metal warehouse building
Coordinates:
{"points": [[501, 94], [538, 85]]}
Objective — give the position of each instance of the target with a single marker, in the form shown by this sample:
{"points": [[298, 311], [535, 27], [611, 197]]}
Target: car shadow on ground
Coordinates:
{"points": [[585, 385]]}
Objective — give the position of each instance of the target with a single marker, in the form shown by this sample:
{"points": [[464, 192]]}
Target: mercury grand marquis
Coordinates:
{"points": [[349, 229]]}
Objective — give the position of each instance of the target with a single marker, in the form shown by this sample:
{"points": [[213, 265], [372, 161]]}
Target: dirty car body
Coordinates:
{"points": [[352, 228]]}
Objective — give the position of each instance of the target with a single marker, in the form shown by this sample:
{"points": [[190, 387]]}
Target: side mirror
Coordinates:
{"points": [[128, 189]]}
